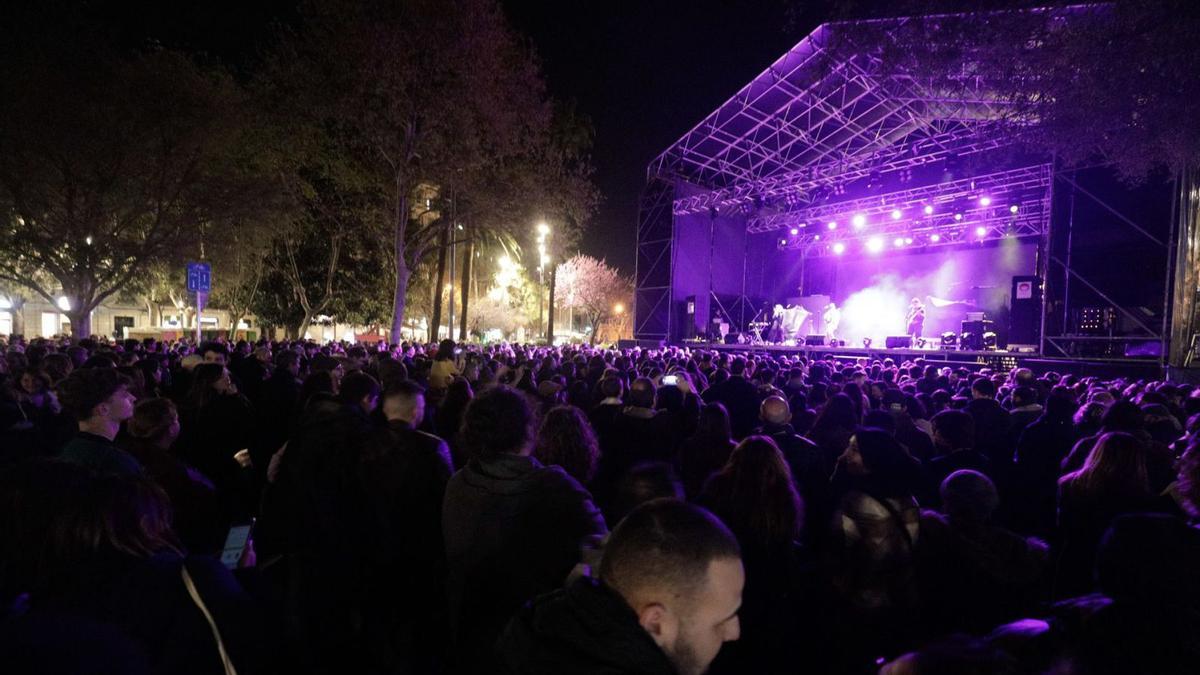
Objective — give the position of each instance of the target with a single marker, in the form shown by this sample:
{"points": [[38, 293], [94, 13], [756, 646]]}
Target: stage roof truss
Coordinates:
{"points": [[958, 216], [816, 119]]}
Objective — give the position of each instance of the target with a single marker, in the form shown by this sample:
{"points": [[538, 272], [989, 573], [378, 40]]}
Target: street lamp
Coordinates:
{"points": [[543, 234]]}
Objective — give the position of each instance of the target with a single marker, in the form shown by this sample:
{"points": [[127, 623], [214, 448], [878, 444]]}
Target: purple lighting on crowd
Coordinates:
{"points": [[859, 221]]}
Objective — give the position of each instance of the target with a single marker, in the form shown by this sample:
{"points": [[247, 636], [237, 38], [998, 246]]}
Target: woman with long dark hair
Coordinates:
{"points": [[707, 450], [834, 426], [218, 428], [566, 439]]}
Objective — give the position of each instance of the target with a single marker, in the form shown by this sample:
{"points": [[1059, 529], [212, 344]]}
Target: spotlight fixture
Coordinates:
{"points": [[831, 225], [896, 214], [981, 232], [907, 240], [935, 238], [899, 242], [816, 237], [874, 244], [985, 201], [783, 242], [928, 209], [1014, 208], [859, 221], [958, 216], [795, 231], [839, 248]]}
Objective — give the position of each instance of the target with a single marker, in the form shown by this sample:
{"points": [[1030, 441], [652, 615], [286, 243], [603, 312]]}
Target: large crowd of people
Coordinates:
{"points": [[271, 507]]}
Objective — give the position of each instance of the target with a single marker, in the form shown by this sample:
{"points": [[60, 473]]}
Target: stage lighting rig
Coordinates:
{"points": [[949, 340]]}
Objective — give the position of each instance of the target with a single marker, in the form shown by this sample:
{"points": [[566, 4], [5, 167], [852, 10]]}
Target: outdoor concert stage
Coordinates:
{"points": [[834, 179]]}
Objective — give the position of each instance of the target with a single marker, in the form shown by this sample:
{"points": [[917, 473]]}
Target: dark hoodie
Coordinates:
{"points": [[584, 629], [513, 530]]}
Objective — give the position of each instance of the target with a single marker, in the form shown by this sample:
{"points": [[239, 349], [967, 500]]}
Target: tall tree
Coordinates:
{"points": [[592, 287], [110, 162], [399, 95]]}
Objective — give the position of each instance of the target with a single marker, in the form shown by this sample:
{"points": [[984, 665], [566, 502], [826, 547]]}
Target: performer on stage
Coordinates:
{"points": [[915, 317], [832, 317]]}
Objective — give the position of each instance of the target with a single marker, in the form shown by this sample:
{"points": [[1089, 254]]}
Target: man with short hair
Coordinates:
{"points": [[953, 436], [810, 470], [991, 420], [666, 600], [100, 401]]}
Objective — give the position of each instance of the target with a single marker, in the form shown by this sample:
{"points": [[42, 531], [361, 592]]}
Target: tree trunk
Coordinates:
{"points": [[550, 307], [435, 325], [18, 314], [465, 285], [304, 324], [81, 323]]}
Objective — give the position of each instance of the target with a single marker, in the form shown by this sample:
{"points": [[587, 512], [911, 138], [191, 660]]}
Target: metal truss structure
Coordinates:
{"points": [[1004, 204], [817, 136]]}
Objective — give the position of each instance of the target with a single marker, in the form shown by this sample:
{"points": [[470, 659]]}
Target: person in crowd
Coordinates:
{"points": [[976, 575], [834, 426], [992, 421], [448, 418], [218, 433], [513, 528], [1112, 481], [404, 473], [565, 439], [114, 568], [445, 365], [707, 450], [643, 482], [197, 515], [739, 396], [875, 530], [954, 437], [901, 407], [810, 472], [99, 399], [666, 600], [1039, 453]]}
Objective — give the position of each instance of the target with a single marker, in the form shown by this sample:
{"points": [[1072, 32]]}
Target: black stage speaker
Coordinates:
{"points": [[814, 340], [972, 336], [1025, 316], [898, 342], [732, 338], [689, 318]]}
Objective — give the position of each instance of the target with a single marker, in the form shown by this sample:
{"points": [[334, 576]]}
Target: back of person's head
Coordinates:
{"points": [[879, 419], [956, 429], [641, 393], [404, 400], [204, 376], [984, 387], [738, 366], [1059, 407], [755, 494], [838, 413], [969, 497], [669, 397], [286, 359], [154, 419], [1150, 559], [65, 519], [775, 410], [714, 422], [643, 482], [1116, 466], [86, 388], [890, 470], [1024, 396], [679, 568], [358, 387], [566, 439], [612, 387], [1122, 416], [498, 421], [445, 350]]}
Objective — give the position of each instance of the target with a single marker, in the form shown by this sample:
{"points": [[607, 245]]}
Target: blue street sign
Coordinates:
{"points": [[199, 277]]}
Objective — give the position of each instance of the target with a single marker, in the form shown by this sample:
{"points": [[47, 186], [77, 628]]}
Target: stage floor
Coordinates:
{"points": [[974, 360]]}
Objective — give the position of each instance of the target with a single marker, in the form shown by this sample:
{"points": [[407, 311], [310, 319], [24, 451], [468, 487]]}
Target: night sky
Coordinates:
{"points": [[644, 73]]}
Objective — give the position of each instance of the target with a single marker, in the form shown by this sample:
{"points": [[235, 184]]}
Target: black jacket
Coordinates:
{"points": [[741, 398], [584, 629], [513, 530]]}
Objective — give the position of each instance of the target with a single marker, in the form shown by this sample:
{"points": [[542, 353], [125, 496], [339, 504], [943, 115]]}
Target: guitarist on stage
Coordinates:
{"points": [[915, 317]]}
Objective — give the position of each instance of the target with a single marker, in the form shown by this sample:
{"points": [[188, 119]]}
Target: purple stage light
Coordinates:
{"points": [[896, 214], [874, 244], [783, 242], [795, 231], [958, 216], [935, 238], [985, 200], [859, 221], [816, 237], [899, 242], [928, 210], [981, 231], [907, 240], [1014, 208], [831, 225], [839, 248]]}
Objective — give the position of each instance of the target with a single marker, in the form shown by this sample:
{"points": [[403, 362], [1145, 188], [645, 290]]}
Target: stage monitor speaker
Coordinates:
{"points": [[1025, 314], [814, 340], [689, 318], [898, 342], [732, 338]]}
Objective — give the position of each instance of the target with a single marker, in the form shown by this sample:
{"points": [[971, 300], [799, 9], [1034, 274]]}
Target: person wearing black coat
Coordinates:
{"points": [[810, 470], [1040, 451], [513, 528], [404, 473], [739, 396]]}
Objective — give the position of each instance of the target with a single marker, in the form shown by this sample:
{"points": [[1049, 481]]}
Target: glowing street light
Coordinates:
{"points": [[618, 308]]}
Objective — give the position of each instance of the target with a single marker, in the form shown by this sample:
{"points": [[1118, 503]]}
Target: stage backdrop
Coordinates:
{"points": [[874, 290]]}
